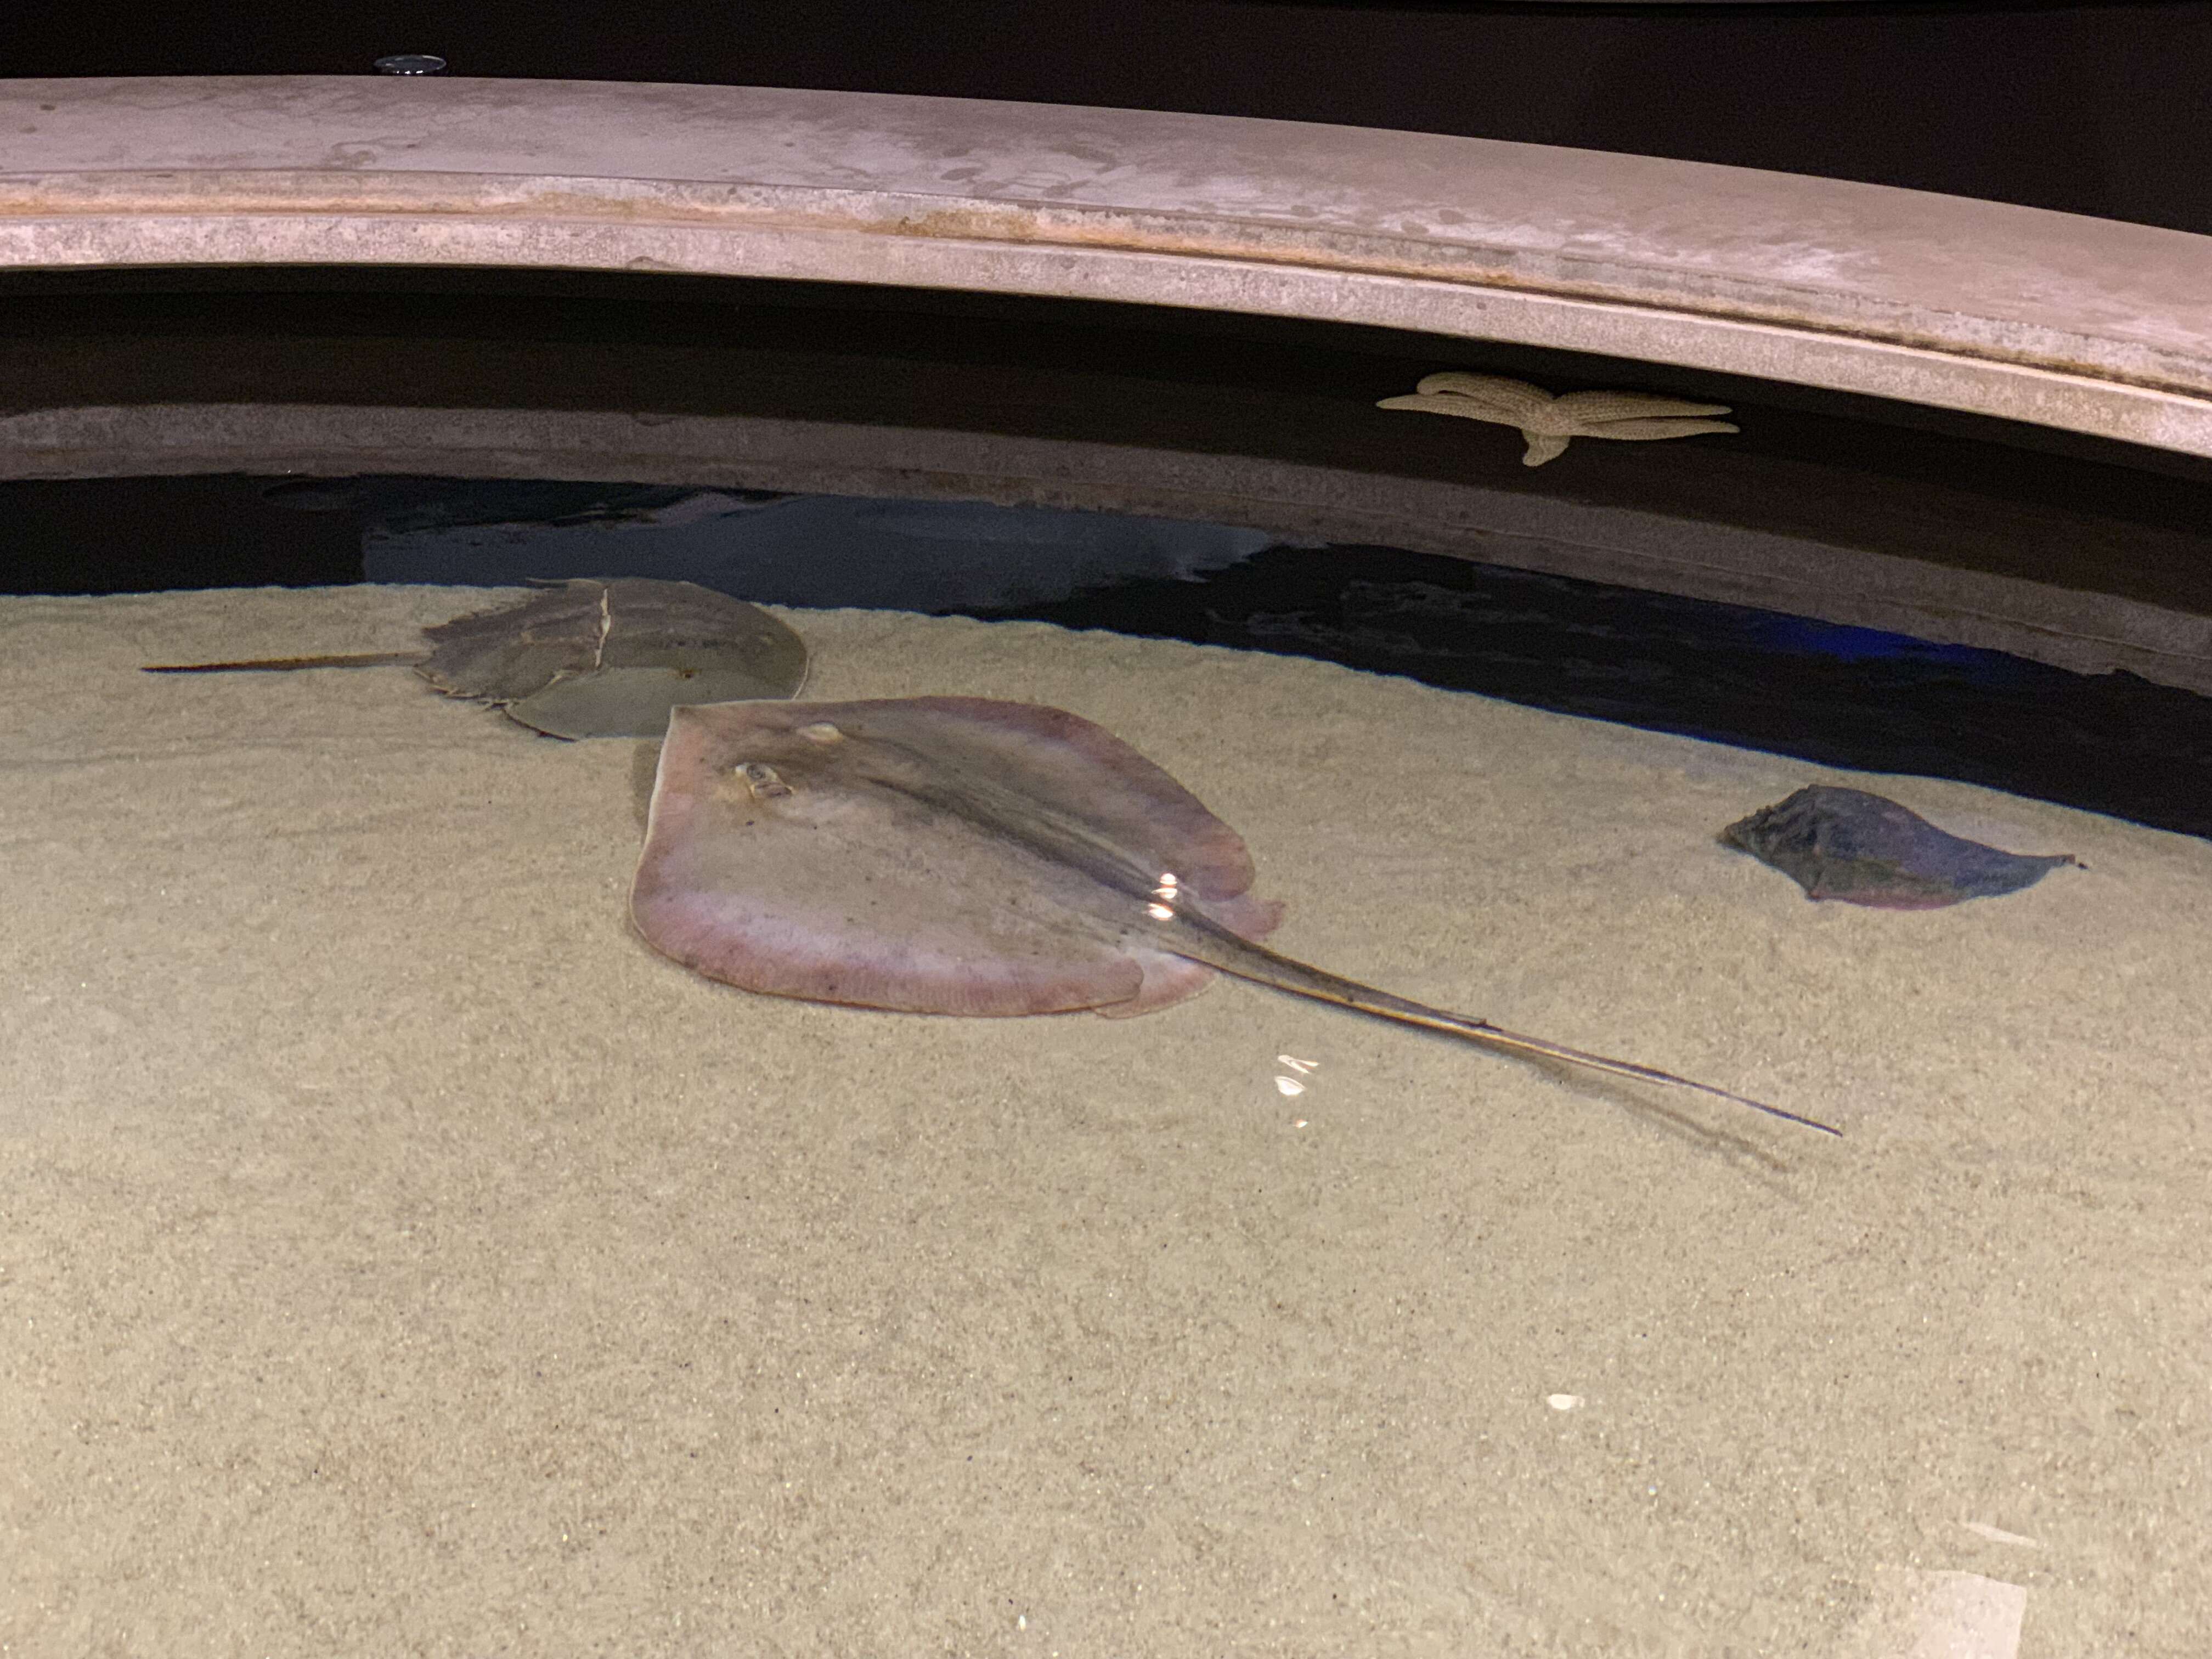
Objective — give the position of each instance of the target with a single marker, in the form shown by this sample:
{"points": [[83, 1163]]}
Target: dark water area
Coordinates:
{"points": [[1840, 697], [1832, 695]]}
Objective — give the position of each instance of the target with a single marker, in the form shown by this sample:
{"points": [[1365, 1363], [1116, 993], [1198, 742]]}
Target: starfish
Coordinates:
{"points": [[1546, 422]]}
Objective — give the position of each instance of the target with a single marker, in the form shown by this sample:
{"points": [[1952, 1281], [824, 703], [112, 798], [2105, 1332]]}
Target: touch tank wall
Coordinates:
{"points": [[474, 1187]]}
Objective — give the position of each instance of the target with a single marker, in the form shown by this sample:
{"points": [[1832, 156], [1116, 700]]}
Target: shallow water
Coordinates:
{"points": [[381, 1208]]}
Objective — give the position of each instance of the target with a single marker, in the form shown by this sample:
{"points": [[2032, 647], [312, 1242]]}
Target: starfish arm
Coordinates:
{"points": [[1466, 408], [1542, 446], [1656, 429], [1586, 406], [1493, 389]]}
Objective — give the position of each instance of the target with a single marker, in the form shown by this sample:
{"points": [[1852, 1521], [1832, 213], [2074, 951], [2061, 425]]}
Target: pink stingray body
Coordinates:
{"points": [[935, 854]]}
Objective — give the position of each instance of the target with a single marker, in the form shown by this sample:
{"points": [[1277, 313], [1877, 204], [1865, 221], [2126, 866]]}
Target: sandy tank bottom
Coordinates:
{"points": [[399, 1258]]}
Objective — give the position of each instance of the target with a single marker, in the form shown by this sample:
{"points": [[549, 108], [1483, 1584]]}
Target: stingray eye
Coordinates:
{"points": [[820, 731], [762, 781]]}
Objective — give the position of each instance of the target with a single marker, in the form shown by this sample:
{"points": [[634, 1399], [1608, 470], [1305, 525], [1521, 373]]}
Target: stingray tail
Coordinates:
{"points": [[1481, 1030], [1257, 962], [280, 665]]}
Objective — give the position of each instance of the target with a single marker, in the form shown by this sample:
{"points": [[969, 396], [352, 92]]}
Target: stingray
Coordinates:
{"points": [[957, 855], [592, 658], [1864, 849]]}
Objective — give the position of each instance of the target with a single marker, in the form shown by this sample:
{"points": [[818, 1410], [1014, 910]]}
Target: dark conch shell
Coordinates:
{"points": [[1864, 849]]}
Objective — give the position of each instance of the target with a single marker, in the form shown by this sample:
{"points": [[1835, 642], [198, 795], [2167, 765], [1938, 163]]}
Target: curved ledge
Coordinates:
{"points": [[2085, 324]]}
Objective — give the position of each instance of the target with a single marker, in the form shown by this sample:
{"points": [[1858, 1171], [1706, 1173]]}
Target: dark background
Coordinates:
{"points": [[2094, 108]]}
